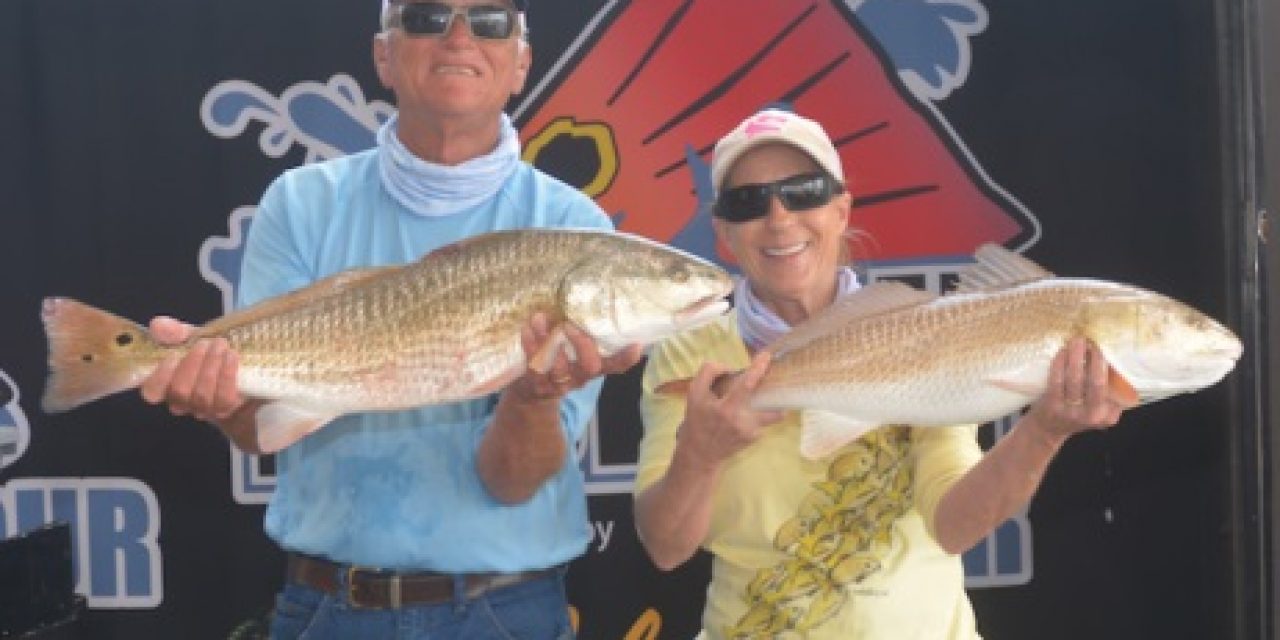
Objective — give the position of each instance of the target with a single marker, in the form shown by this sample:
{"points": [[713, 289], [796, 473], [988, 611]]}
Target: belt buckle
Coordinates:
{"points": [[394, 592]]}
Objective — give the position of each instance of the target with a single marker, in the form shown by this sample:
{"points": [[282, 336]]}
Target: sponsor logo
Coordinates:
{"points": [[115, 523], [15, 433]]}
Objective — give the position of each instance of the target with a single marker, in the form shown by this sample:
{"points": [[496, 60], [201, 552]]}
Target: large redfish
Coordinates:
{"points": [[442, 329], [891, 354]]}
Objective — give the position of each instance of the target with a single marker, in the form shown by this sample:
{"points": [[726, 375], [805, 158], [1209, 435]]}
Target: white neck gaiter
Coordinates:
{"points": [[760, 326], [431, 189]]}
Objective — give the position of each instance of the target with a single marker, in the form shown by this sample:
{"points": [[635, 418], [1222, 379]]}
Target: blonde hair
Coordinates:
{"points": [[857, 245]]}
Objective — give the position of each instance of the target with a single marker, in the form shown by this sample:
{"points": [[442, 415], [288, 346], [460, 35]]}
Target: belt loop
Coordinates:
{"points": [[459, 592], [349, 578], [394, 589]]}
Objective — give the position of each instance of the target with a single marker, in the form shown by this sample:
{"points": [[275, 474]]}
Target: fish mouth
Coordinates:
{"points": [[1230, 352], [1223, 356], [703, 310]]}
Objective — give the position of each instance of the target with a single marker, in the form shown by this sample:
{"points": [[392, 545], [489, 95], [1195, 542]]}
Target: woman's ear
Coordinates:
{"points": [[721, 229], [844, 201]]}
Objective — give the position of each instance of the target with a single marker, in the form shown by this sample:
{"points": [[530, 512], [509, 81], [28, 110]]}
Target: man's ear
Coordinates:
{"points": [[524, 60], [382, 58]]}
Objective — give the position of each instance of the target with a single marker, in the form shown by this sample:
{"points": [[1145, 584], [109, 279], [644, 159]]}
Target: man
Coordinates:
{"points": [[455, 520]]}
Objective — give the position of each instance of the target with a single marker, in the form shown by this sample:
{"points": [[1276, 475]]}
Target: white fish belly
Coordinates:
{"points": [[901, 404]]}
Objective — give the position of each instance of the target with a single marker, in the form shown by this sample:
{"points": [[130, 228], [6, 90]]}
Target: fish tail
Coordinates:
{"points": [[92, 354], [719, 385], [674, 387]]}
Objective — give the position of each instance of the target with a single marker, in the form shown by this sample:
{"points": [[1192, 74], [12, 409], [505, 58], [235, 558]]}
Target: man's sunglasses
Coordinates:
{"points": [[797, 193], [433, 19]]}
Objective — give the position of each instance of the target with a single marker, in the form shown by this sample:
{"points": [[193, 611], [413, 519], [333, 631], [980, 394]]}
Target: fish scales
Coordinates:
{"points": [[935, 363], [449, 322]]}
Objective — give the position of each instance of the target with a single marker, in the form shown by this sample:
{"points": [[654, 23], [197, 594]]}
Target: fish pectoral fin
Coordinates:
{"points": [[1026, 380], [1017, 386], [281, 424], [1122, 391], [543, 359], [823, 432]]}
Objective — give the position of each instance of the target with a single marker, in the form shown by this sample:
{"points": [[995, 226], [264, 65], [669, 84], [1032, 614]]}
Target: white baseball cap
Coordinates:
{"points": [[775, 125]]}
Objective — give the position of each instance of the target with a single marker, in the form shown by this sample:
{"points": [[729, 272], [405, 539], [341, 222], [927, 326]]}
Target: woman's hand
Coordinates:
{"points": [[718, 426], [1079, 395]]}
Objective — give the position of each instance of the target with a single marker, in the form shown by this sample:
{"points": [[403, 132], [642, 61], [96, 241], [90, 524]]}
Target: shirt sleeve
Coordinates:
{"points": [[661, 415], [580, 212], [273, 263], [677, 358], [943, 456], [577, 408]]}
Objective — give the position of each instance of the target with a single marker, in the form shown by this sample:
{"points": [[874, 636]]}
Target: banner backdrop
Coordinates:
{"points": [[138, 135]]}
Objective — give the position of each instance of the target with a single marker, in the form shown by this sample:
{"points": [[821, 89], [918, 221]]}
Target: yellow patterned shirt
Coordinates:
{"points": [[833, 548]]}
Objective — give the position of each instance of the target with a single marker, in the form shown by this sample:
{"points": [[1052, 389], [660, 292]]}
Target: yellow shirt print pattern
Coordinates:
{"points": [[838, 537]]}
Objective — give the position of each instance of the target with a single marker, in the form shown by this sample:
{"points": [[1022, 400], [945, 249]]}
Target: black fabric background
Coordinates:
{"points": [[1100, 116]]}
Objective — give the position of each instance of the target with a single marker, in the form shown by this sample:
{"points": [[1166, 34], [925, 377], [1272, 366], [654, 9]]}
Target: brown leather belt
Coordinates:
{"points": [[383, 589]]}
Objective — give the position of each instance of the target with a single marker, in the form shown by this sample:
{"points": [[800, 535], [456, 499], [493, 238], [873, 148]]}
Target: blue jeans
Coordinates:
{"points": [[533, 610]]}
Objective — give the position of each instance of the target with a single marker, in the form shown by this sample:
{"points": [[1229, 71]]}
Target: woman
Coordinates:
{"points": [[864, 543]]}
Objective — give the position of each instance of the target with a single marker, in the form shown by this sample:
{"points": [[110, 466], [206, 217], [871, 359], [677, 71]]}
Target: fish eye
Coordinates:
{"points": [[124, 339]]}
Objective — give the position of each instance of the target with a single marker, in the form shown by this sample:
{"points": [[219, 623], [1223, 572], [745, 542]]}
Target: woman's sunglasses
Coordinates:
{"points": [[433, 19], [797, 193]]}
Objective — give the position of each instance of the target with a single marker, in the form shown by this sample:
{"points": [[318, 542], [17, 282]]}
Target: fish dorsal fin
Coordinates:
{"points": [[998, 268], [323, 288], [872, 300]]}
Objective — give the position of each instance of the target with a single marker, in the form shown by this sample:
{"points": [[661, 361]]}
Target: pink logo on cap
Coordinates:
{"points": [[765, 123]]}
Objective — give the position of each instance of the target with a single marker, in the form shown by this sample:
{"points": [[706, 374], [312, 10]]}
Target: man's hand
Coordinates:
{"points": [[565, 375], [202, 382]]}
